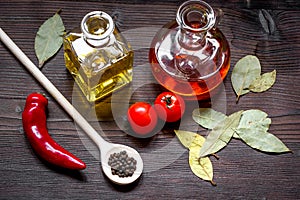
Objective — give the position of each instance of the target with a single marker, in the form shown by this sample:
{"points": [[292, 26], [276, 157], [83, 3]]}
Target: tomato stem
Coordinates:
{"points": [[168, 100]]}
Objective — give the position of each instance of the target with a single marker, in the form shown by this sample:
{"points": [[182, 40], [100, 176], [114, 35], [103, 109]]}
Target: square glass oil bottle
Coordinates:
{"points": [[98, 56]]}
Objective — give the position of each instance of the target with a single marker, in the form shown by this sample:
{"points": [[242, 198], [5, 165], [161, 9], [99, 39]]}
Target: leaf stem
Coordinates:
{"points": [[58, 11], [213, 183], [237, 99], [216, 156]]}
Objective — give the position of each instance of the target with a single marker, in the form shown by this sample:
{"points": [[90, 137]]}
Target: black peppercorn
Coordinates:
{"points": [[121, 164]]}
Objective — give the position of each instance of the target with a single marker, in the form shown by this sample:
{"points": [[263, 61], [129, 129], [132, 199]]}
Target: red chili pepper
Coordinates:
{"points": [[35, 126]]}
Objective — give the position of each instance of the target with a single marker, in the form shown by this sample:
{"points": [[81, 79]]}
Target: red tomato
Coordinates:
{"points": [[169, 106], [142, 118]]}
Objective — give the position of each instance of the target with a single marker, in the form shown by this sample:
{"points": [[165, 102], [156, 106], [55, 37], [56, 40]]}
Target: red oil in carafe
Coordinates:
{"points": [[190, 56]]}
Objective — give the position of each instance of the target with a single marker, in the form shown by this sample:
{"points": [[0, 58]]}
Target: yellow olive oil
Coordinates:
{"points": [[100, 63]]}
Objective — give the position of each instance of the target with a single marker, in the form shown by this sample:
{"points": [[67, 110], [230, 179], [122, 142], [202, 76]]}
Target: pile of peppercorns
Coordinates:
{"points": [[121, 164]]}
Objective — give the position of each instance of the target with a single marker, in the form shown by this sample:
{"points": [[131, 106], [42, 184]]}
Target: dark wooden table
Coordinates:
{"points": [[240, 173]]}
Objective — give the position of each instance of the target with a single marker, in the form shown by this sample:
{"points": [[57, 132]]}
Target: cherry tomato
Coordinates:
{"points": [[142, 118], [169, 106]]}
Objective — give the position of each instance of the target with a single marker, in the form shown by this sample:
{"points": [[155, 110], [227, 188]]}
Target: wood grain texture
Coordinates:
{"points": [[240, 173]]}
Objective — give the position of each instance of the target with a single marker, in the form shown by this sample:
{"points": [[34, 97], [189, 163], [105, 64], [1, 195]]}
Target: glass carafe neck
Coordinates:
{"points": [[96, 27], [194, 18]]}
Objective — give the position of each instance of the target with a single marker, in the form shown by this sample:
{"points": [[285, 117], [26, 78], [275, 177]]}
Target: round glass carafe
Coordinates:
{"points": [[190, 55]]}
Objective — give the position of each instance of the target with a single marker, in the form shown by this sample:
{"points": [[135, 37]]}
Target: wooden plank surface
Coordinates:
{"points": [[240, 173]]}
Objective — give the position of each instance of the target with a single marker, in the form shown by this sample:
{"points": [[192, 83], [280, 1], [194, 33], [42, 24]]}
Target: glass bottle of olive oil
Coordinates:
{"points": [[98, 56]]}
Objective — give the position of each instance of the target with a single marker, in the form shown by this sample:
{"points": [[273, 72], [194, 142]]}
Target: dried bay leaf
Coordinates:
{"points": [[266, 21], [220, 134], [49, 38], [246, 76], [207, 117], [255, 119], [186, 137], [235, 135], [263, 82], [245, 71], [261, 140], [253, 128], [201, 167]]}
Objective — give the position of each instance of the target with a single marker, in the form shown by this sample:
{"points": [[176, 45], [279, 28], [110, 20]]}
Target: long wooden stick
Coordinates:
{"points": [[44, 81]]}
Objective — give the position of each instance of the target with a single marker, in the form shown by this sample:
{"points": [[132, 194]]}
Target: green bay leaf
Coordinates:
{"points": [[207, 117], [245, 71], [262, 140], [220, 135], [201, 167], [263, 82], [49, 38]]}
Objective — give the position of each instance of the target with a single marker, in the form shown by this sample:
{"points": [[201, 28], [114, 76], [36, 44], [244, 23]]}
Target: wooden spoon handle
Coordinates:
{"points": [[44, 81]]}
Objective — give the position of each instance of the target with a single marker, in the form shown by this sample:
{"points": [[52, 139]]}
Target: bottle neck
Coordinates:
{"points": [[97, 27], [191, 40], [195, 18]]}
